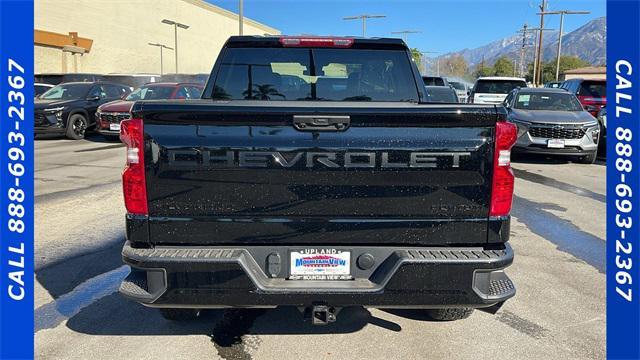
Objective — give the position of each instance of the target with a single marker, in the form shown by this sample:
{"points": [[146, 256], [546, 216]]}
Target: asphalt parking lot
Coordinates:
{"points": [[558, 236]]}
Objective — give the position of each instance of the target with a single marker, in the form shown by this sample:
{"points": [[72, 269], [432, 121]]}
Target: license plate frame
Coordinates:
{"points": [[114, 126], [320, 264], [555, 143]]}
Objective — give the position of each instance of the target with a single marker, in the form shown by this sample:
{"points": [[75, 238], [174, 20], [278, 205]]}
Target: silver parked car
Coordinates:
{"points": [[461, 88], [552, 121]]}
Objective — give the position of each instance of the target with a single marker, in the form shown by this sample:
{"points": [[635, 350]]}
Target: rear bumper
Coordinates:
{"points": [[47, 123], [214, 277], [107, 132], [567, 151]]}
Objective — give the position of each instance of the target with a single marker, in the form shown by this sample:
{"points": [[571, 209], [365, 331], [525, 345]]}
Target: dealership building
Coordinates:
{"points": [[113, 36], [589, 72]]}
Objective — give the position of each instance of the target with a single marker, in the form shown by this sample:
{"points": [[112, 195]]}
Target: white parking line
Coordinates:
{"points": [[68, 305]]}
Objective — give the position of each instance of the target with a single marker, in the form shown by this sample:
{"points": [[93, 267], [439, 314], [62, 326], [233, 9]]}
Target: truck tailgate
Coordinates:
{"points": [[240, 172]]}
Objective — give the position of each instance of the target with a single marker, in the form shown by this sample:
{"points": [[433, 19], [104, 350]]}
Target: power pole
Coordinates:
{"points": [[537, 76], [562, 13], [523, 48], [364, 18], [405, 33], [526, 30]]}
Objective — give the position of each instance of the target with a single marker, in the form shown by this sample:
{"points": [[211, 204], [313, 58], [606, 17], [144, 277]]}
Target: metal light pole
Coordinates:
{"points": [[562, 13], [240, 17], [364, 18], [405, 33], [176, 25], [161, 46]]}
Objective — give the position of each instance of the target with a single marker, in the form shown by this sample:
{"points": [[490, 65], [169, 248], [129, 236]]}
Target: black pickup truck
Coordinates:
{"points": [[313, 174]]}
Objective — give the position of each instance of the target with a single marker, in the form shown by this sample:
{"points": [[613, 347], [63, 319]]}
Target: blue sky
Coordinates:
{"points": [[445, 25]]}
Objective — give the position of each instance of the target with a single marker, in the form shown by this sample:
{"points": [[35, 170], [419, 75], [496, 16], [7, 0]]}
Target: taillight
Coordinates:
{"points": [[503, 178], [133, 179], [294, 41]]}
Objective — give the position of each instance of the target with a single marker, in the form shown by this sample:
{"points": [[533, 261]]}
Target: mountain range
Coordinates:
{"points": [[587, 42]]}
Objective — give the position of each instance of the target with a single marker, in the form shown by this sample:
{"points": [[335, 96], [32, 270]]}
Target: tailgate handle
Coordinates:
{"points": [[321, 122]]}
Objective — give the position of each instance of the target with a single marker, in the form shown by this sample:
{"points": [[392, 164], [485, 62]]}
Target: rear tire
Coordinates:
{"points": [[179, 314], [449, 314], [589, 159], [76, 127]]}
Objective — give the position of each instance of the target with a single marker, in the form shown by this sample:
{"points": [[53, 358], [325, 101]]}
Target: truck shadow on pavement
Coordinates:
{"points": [[233, 333], [550, 159], [119, 316], [91, 137]]}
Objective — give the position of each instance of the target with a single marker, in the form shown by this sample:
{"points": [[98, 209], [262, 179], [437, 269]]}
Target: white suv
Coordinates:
{"points": [[493, 89]]}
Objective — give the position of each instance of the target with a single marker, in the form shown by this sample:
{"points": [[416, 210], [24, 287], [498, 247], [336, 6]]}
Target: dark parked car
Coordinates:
{"points": [[441, 94], [40, 88], [552, 121], [70, 108], [109, 115], [435, 81], [59, 78], [592, 94]]}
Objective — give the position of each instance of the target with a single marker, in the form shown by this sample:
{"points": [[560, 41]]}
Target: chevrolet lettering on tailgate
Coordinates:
{"points": [[368, 159]]}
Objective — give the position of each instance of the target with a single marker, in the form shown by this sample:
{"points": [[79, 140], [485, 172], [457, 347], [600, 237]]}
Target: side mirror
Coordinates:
{"points": [[468, 92], [93, 98]]}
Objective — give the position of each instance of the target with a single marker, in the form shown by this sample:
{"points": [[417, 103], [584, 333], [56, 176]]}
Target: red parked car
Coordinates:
{"points": [[109, 115], [592, 94]]}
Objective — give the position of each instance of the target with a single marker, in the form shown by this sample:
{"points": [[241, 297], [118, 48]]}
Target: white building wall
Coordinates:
{"points": [[121, 31]]}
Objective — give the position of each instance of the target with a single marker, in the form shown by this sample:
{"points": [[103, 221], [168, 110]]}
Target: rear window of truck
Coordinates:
{"points": [[596, 89], [497, 86], [315, 74], [433, 81]]}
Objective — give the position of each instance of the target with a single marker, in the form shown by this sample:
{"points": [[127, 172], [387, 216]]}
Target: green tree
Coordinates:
{"points": [[569, 62], [549, 68], [503, 67], [482, 70], [417, 56]]}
